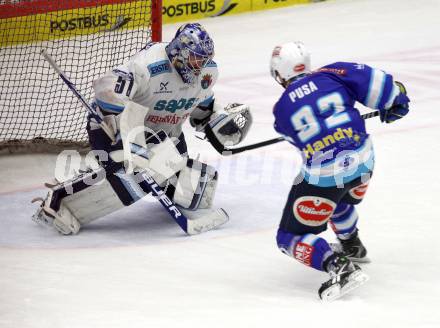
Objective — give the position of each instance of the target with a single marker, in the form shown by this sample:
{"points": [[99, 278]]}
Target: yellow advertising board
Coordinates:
{"points": [[24, 21], [271, 4], [186, 10], [35, 20]]}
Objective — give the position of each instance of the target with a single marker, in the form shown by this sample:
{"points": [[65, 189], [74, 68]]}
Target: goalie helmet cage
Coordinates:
{"points": [[86, 38]]}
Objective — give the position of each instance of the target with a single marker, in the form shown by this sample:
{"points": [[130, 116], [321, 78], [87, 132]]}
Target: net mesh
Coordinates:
{"points": [[86, 38]]}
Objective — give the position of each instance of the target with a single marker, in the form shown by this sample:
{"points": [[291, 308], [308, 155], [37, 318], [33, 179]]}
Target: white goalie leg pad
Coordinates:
{"points": [[92, 203], [68, 211], [62, 220], [204, 219], [195, 186]]}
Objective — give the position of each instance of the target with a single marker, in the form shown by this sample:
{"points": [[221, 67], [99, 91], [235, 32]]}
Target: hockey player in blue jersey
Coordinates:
{"points": [[316, 113]]}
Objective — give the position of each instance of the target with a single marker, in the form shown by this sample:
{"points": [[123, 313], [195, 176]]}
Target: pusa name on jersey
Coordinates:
{"points": [[302, 91]]}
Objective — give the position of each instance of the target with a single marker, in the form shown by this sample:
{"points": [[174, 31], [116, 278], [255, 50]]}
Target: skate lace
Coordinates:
{"points": [[338, 270]]}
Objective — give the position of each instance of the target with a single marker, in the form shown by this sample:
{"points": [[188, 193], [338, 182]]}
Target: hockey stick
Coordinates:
{"points": [[157, 191], [72, 87], [366, 116], [225, 151]]}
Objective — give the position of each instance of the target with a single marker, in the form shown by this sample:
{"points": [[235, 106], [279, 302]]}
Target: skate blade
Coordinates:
{"points": [[207, 222], [355, 280]]}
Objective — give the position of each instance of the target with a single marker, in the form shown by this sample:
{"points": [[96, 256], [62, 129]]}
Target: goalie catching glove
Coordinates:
{"points": [[226, 126]]}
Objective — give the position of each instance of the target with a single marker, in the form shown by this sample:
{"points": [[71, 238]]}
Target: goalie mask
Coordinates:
{"points": [[190, 51], [289, 61]]}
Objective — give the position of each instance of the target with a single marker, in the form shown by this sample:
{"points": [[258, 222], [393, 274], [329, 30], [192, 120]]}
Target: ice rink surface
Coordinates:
{"points": [[135, 268]]}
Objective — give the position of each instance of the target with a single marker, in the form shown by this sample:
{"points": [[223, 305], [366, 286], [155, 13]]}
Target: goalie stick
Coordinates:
{"points": [[72, 87], [225, 151], [191, 227]]}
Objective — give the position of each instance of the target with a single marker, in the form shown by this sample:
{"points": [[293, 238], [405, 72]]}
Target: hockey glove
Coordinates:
{"points": [[400, 107], [230, 125], [201, 116]]}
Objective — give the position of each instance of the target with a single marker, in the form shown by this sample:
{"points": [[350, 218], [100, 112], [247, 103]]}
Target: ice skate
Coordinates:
{"points": [[352, 248], [41, 216], [65, 224], [345, 277]]}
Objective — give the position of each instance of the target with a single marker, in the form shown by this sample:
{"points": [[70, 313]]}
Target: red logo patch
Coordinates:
{"points": [[299, 68], [313, 211], [339, 71], [206, 81], [276, 51], [303, 253], [359, 191]]}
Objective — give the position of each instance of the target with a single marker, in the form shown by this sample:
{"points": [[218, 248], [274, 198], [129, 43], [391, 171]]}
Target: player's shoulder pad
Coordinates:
{"points": [[338, 68], [155, 59], [344, 69]]}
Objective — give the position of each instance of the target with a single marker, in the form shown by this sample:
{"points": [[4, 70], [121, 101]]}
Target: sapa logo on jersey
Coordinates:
{"points": [[312, 210], [174, 105]]}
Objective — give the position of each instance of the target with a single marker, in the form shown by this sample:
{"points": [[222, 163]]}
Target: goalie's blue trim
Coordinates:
{"points": [[206, 102], [138, 150], [131, 186], [109, 107], [159, 67], [211, 63]]}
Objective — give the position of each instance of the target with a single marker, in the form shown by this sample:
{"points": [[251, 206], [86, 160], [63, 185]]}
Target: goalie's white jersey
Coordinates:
{"points": [[150, 80]]}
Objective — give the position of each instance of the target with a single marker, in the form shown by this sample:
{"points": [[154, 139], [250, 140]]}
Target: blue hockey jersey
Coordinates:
{"points": [[316, 113]]}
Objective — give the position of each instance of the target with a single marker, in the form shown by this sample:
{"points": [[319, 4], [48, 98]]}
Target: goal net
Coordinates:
{"points": [[86, 38]]}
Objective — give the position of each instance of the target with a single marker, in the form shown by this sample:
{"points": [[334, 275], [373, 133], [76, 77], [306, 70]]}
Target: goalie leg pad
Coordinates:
{"points": [[78, 201], [62, 220], [195, 186]]}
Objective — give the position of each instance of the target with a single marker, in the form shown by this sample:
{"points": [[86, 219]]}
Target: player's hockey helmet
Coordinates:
{"points": [[289, 61], [190, 51]]}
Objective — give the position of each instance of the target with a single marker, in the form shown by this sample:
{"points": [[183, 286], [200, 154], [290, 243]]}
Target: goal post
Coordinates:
{"points": [[86, 38]]}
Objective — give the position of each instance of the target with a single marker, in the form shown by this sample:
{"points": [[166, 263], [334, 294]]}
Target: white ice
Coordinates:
{"points": [[136, 268]]}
